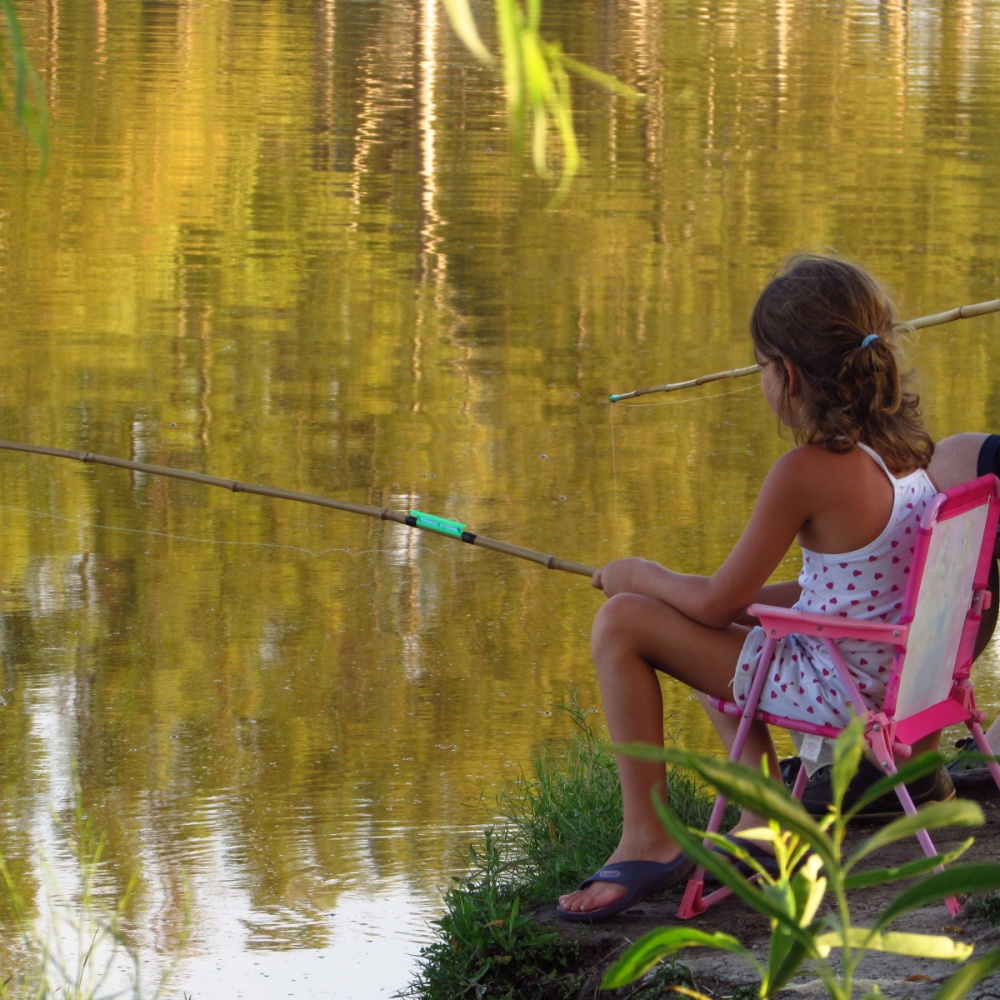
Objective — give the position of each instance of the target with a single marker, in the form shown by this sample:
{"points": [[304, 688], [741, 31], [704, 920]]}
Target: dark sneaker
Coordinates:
{"points": [[961, 762], [934, 787], [967, 773], [790, 767]]}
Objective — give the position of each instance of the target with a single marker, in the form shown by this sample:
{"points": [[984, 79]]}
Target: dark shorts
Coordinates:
{"points": [[989, 456], [989, 461]]}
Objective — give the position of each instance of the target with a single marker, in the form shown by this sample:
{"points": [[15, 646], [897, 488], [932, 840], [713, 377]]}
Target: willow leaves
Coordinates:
{"points": [[536, 77]]}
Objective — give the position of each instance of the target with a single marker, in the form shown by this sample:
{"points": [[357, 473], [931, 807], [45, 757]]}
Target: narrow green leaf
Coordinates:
{"points": [[847, 751], [907, 773], [912, 869], [957, 881], [958, 985], [562, 114], [809, 887], [657, 945], [509, 30], [534, 14], [29, 95], [464, 25], [751, 893], [933, 816], [936, 946], [537, 73], [784, 960], [604, 80]]}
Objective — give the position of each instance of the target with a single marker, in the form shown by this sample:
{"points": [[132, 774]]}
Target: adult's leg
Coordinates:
{"points": [[957, 459], [633, 638]]}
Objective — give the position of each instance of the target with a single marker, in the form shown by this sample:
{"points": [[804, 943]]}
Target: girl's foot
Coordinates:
{"points": [[748, 821], [639, 880], [633, 879]]}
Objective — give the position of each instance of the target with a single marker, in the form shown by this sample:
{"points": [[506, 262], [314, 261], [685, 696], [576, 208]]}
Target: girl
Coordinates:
{"points": [[851, 493]]}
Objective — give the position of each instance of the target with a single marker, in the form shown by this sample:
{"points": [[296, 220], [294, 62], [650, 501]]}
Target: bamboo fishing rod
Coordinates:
{"points": [[412, 519], [937, 319]]}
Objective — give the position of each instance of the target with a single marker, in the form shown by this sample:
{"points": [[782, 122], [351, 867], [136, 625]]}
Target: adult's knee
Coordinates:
{"points": [[956, 460]]}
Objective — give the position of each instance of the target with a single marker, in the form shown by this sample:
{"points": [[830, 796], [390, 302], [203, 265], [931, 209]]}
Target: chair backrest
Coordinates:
{"points": [[943, 602]]}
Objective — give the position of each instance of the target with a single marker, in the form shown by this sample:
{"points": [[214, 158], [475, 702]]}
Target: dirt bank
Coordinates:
{"points": [[720, 974]]}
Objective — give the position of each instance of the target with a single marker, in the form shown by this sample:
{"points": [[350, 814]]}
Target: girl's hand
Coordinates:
{"points": [[621, 576]]}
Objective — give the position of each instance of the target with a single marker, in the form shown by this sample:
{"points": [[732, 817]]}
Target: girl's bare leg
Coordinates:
{"points": [[633, 638], [758, 746]]}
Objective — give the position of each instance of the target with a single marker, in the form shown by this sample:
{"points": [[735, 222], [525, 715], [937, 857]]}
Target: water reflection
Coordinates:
{"points": [[291, 246]]}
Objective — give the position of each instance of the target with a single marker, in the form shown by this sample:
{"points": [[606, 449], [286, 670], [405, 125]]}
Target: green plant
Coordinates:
{"points": [[536, 80], [560, 822], [988, 907], [487, 941], [666, 977], [28, 94], [564, 817], [487, 935], [73, 950], [813, 871]]}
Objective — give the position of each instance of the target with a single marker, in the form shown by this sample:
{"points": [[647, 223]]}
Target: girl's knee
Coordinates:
{"points": [[618, 622]]}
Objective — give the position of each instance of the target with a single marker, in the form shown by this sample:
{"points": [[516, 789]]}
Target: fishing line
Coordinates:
{"points": [[421, 520], [78, 522], [649, 403]]}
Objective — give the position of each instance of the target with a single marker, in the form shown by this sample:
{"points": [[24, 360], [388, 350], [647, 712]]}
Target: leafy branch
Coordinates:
{"points": [[21, 83], [536, 75]]}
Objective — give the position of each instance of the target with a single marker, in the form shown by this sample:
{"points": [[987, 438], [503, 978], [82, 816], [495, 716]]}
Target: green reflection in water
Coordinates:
{"points": [[287, 245]]}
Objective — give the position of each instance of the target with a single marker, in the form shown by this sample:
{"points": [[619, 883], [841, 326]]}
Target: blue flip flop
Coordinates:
{"points": [[756, 852], [640, 878]]}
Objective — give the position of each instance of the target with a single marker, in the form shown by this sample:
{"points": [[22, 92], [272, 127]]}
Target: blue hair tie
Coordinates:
{"points": [[869, 339]]}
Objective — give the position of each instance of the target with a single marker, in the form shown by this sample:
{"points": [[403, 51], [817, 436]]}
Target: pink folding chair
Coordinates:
{"points": [[929, 686]]}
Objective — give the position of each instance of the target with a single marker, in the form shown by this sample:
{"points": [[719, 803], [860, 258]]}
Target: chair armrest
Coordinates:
{"points": [[778, 622]]}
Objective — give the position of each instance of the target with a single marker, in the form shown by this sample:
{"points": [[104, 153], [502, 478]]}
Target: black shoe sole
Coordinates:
{"points": [[936, 787]]}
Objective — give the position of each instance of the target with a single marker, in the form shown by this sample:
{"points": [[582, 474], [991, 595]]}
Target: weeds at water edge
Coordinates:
{"points": [[74, 949], [555, 827], [987, 907]]}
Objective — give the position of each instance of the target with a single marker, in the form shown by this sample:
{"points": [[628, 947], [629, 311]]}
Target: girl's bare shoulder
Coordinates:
{"points": [[844, 499], [821, 477], [811, 461]]}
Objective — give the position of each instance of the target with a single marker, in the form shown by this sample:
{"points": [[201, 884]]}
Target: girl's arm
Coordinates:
{"points": [[789, 497], [781, 595]]}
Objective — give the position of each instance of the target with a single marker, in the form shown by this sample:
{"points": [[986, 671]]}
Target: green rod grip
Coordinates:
{"points": [[439, 524]]}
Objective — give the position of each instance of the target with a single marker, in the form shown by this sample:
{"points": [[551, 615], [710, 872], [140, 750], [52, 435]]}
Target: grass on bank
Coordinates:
{"points": [[73, 943], [556, 826], [562, 820]]}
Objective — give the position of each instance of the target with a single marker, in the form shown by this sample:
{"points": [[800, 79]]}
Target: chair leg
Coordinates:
{"points": [[693, 902], [799, 785], [980, 737], [923, 837]]}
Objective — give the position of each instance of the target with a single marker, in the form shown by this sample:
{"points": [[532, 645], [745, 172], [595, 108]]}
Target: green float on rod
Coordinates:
{"points": [[412, 519]]}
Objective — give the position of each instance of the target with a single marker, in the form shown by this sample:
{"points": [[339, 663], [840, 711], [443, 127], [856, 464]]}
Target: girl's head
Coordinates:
{"points": [[830, 330]]}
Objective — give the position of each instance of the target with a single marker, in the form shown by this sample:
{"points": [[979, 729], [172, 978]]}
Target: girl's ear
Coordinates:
{"points": [[792, 377]]}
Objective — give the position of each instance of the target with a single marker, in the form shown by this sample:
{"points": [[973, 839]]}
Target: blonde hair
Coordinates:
{"points": [[837, 328]]}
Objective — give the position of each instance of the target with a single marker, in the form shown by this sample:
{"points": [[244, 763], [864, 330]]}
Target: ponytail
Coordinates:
{"points": [[837, 327]]}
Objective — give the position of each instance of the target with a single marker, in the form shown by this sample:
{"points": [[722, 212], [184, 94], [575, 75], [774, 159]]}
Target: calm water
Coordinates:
{"points": [[289, 244]]}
